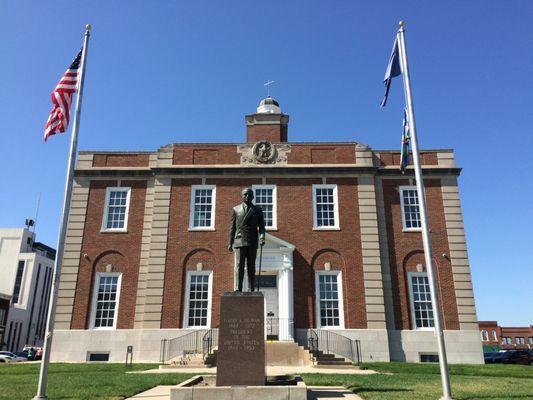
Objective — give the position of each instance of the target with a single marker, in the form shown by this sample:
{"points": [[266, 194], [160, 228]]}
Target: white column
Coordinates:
{"points": [[285, 294]]}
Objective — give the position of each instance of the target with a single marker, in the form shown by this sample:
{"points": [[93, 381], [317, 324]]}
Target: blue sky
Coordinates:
{"points": [[171, 71]]}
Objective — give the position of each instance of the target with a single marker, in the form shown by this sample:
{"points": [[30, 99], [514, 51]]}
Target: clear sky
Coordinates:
{"points": [[172, 71]]}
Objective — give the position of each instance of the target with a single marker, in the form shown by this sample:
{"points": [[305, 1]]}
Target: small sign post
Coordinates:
{"points": [[129, 355]]}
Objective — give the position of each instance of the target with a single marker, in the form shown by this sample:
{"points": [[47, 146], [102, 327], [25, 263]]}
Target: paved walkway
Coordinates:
{"points": [[269, 370], [314, 393]]}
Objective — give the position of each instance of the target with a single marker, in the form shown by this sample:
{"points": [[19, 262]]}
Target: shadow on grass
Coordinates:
{"points": [[360, 389]]}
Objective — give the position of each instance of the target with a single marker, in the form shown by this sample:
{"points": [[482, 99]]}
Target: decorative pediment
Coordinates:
{"points": [[273, 242], [263, 152]]}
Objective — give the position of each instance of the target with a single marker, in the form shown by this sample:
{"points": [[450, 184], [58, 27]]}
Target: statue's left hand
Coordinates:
{"points": [[262, 241]]}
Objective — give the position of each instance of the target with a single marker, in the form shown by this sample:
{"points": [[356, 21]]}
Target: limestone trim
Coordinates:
{"points": [[370, 244], [458, 254], [72, 252], [152, 281], [146, 246]]}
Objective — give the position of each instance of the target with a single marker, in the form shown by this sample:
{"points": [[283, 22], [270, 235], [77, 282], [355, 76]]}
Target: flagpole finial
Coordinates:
{"points": [[401, 24], [88, 27]]}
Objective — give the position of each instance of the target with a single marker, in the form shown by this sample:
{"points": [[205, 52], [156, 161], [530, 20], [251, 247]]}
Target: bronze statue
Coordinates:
{"points": [[246, 232]]}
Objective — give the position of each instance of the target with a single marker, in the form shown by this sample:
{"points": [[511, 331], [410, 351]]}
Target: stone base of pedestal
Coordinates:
{"points": [[241, 340], [202, 388]]}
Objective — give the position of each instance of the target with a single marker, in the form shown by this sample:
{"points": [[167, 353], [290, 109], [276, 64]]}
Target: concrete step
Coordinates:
{"points": [[337, 363]]}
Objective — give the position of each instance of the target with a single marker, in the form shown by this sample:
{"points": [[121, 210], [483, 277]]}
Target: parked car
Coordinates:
{"points": [[7, 356], [510, 357]]}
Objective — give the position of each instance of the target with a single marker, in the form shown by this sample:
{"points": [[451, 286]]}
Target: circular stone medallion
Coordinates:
{"points": [[264, 151]]}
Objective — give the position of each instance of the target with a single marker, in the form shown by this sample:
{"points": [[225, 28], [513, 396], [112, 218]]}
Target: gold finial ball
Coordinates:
{"points": [[401, 23], [88, 27]]}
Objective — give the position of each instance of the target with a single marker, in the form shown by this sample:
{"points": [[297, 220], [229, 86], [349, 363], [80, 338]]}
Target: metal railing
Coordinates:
{"points": [[182, 346], [331, 343], [279, 328], [209, 342]]}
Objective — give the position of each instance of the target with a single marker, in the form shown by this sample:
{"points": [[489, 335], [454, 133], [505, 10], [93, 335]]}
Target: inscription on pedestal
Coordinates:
{"points": [[241, 344]]}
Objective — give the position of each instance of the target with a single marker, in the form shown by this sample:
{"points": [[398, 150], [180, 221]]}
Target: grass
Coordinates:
{"points": [[397, 381], [422, 381], [81, 381]]}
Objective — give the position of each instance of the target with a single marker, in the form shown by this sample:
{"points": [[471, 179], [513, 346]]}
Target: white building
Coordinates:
{"points": [[26, 270]]}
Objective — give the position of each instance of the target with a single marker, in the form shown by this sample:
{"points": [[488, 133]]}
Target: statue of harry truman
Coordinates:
{"points": [[246, 231]]}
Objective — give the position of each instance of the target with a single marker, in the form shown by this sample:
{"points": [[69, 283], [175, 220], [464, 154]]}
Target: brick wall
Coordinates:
{"points": [[406, 252], [121, 250], [295, 222]]}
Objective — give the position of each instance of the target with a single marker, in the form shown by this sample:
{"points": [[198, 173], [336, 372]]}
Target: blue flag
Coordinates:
{"points": [[393, 69], [406, 138]]}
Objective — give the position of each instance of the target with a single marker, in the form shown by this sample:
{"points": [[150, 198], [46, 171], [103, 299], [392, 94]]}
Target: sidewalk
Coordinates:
{"points": [[269, 370], [313, 393]]}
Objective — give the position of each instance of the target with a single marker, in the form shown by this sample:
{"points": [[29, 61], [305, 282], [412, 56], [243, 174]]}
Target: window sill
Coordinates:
{"points": [[424, 329], [196, 328], [329, 228], [271, 229], [104, 329], [201, 229], [113, 230], [412, 230]]}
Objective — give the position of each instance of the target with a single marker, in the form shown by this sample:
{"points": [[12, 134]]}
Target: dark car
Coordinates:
{"points": [[510, 357]]}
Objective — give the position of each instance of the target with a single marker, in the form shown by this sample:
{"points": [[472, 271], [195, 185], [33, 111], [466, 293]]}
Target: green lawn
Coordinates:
{"points": [[81, 381], [398, 381], [422, 381]]}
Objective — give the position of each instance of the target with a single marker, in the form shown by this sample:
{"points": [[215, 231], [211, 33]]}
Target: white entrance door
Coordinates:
{"points": [[269, 288]]}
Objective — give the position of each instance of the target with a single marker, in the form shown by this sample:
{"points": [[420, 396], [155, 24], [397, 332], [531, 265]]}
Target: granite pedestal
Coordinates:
{"points": [[241, 343]]}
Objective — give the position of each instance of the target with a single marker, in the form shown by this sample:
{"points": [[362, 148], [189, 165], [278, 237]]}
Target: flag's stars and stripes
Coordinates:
{"points": [[62, 98]]}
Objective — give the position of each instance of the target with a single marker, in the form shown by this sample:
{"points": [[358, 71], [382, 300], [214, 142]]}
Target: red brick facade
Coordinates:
{"points": [[299, 168], [406, 252]]}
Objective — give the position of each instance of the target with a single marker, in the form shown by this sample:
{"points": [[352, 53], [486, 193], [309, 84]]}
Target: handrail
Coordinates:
{"points": [[331, 343], [209, 342], [182, 345], [279, 328]]}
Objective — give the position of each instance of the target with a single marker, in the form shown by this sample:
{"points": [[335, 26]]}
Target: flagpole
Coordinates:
{"points": [[446, 389], [43, 375]]}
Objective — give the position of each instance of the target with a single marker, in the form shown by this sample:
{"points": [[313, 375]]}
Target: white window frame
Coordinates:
{"points": [[194, 188], [274, 226], [519, 342], [484, 335], [404, 227], [188, 294], [106, 209], [494, 336], [335, 227], [412, 303], [317, 299], [95, 298]]}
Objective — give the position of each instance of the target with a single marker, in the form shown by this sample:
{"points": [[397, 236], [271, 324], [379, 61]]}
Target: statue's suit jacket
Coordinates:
{"points": [[246, 226]]}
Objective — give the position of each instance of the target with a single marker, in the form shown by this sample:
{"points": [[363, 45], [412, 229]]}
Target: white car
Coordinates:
{"points": [[7, 356]]}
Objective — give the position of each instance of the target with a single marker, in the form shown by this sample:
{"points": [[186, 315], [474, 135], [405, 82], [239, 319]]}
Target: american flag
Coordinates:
{"points": [[62, 98]]}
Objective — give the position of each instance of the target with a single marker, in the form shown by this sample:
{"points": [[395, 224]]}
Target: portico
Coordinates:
{"points": [[276, 283]]}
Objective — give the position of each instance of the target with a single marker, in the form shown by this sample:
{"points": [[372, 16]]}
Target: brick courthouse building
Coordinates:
{"points": [[146, 253]]}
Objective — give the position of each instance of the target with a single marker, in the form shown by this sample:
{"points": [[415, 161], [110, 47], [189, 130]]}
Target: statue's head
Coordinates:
{"points": [[247, 195]]}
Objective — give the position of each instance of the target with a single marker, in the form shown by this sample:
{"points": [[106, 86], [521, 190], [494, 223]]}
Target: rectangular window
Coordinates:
{"points": [[265, 197], [18, 282], [198, 311], [105, 300], [484, 336], [431, 358], [530, 340], [98, 356], [420, 296], [494, 336], [202, 207], [325, 207], [329, 299], [410, 208], [506, 340], [519, 340], [117, 203]]}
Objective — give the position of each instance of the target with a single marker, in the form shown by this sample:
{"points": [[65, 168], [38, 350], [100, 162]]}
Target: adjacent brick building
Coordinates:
{"points": [[495, 337], [146, 255]]}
